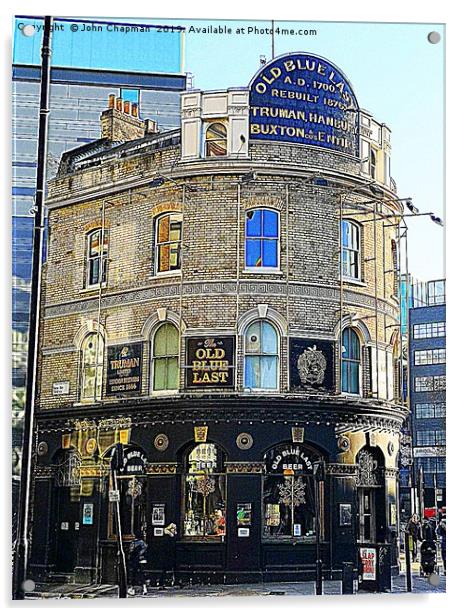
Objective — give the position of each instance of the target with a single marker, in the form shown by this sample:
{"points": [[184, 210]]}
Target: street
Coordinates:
{"points": [[78, 591]]}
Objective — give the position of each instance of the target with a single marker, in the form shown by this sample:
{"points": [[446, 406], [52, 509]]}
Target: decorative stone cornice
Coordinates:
{"points": [[161, 468], [249, 468], [341, 469], [218, 287], [43, 472]]}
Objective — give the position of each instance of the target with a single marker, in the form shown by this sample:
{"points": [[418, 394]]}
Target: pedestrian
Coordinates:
{"points": [[414, 531], [441, 533], [428, 530], [137, 560], [167, 550]]}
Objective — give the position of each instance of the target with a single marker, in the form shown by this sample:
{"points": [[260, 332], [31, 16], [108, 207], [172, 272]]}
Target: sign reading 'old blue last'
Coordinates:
{"points": [[301, 98]]}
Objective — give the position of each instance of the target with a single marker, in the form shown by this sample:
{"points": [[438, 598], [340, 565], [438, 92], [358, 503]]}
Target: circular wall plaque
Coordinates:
{"points": [[91, 445], [42, 448], [343, 443], [244, 440], [161, 442], [390, 448]]}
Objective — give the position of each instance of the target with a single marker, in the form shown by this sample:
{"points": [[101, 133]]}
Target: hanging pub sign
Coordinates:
{"points": [[302, 98], [311, 364], [124, 374], [210, 362], [134, 461]]}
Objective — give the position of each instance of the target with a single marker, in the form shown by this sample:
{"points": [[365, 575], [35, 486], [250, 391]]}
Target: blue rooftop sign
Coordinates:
{"points": [[301, 98], [102, 45]]}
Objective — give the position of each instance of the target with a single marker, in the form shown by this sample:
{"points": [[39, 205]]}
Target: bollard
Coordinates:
{"points": [[347, 578], [319, 578], [408, 569]]}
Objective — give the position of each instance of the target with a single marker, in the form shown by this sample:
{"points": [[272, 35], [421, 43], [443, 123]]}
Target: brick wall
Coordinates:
{"points": [[305, 290]]}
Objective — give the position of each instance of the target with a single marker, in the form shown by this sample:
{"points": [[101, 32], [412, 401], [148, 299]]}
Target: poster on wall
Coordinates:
{"points": [[368, 559], [244, 514]]}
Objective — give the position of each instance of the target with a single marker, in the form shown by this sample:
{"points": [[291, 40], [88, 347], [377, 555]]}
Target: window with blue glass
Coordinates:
{"points": [[261, 238], [351, 361], [261, 356], [350, 250], [129, 94]]}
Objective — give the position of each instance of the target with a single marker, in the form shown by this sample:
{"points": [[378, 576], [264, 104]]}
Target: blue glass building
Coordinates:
{"points": [[90, 60], [144, 65], [427, 348]]}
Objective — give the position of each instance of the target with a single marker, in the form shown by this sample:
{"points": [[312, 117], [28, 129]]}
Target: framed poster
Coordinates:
{"points": [[158, 514], [244, 514], [345, 514], [88, 513]]}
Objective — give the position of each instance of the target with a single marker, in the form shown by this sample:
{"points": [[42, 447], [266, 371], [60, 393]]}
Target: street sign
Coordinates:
{"points": [[113, 496]]}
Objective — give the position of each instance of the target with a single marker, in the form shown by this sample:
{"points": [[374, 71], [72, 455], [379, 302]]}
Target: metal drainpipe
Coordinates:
{"points": [[238, 239], [99, 308], [375, 265], [287, 287], [22, 539], [341, 292]]}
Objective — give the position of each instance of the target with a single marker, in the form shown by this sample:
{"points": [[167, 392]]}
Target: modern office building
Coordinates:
{"points": [[221, 306], [141, 63], [427, 350]]}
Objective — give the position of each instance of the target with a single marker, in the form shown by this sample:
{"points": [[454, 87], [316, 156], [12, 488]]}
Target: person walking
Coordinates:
{"points": [[414, 531], [428, 530], [137, 558], [441, 533]]}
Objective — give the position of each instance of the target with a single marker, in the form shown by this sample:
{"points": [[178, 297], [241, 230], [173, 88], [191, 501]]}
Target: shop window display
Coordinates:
{"points": [[288, 493], [204, 494]]}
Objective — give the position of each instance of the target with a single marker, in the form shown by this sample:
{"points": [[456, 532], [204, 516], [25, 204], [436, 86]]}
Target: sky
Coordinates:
{"points": [[397, 75]]}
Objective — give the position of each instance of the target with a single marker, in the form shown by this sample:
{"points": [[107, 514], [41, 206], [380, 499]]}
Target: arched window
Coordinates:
{"points": [[261, 238], [373, 163], [261, 356], [216, 140], [351, 361], [92, 351], [289, 500], [204, 515], [167, 240], [350, 250], [165, 358], [97, 258]]}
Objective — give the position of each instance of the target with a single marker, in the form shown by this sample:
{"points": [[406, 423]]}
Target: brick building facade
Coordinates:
{"points": [[226, 308]]}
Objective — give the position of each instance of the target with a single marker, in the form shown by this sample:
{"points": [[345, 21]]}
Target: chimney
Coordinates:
{"points": [[121, 122], [151, 127]]}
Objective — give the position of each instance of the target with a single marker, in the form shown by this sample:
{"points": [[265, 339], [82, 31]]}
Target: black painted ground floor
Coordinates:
{"points": [[249, 497]]}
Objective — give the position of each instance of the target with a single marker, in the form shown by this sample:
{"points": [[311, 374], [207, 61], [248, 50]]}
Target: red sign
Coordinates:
{"points": [[368, 558]]}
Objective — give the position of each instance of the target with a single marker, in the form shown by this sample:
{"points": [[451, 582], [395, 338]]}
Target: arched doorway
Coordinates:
{"points": [[370, 492], [67, 480]]}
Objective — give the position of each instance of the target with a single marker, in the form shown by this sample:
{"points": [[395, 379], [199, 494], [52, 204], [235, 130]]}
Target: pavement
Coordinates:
{"points": [[420, 584]]}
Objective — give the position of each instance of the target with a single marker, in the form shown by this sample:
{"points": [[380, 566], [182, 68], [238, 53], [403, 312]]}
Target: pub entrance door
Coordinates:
{"points": [[66, 510]]}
